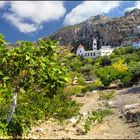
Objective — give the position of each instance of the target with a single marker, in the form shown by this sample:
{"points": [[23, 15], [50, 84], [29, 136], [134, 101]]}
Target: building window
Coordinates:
{"points": [[85, 54], [91, 53]]}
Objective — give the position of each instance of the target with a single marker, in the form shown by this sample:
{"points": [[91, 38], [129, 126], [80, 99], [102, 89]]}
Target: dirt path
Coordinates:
{"points": [[111, 127]]}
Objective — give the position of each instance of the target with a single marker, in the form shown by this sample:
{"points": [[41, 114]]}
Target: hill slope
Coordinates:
{"points": [[109, 31]]}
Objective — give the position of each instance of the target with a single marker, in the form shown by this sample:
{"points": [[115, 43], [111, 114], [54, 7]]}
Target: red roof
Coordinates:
{"points": [[80, 46]]}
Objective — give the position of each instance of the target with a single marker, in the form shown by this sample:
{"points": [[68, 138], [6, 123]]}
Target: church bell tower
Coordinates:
{"points": [[94, 46]]}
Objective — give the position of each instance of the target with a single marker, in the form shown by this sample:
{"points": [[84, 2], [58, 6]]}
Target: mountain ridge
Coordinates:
{"points": [[113, 31]]}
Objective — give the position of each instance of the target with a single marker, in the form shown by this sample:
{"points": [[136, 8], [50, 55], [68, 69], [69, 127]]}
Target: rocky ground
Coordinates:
{"points": [[115, 126]]}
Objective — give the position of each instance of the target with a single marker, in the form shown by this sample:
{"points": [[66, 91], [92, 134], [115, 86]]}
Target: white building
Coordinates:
{"points": [[105, 50], [136, 44]]}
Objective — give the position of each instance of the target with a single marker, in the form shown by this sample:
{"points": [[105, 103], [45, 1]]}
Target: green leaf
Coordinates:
{"points": [[6, 78], [1, 73], [27, 57]]}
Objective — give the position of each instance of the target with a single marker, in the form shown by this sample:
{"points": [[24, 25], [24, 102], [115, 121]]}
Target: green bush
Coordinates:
{"points": [[33, 74], [92, 86], [62, 107], [105, 61], [81, 79], [33, 107], [73, 90]]}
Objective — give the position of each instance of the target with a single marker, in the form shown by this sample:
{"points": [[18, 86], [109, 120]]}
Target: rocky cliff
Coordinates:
{"points": [[109, 31]]}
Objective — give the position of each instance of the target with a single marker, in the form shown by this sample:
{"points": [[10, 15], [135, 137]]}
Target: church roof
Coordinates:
{"points": [[80, 46]]}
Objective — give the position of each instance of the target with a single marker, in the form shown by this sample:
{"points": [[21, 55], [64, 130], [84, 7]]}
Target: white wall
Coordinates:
{"points": [[80, 51]]}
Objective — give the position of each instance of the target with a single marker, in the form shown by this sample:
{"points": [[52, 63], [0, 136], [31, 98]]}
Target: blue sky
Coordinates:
{"points": [[31, 20]]}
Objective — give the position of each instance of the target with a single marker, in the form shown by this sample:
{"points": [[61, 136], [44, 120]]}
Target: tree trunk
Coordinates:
{"points": [[13, 106]]}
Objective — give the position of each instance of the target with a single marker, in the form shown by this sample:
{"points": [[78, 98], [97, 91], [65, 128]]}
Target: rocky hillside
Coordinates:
{"points": [[109, 31]]}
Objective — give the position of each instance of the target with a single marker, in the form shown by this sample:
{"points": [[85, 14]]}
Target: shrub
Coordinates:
{"points": [[81, 79], [34, 76], [91, 86], [106, 95], [32, 107], [62, 107], [105, 61], [117, 71], [107, 75], [73, 90]]}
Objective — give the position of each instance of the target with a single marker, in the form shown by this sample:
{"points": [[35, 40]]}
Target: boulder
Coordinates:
{"points": [[131, 112], [112, 104], [74, 119]]}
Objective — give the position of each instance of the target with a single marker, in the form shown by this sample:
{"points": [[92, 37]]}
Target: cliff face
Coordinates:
{"points": [[108, 31]]}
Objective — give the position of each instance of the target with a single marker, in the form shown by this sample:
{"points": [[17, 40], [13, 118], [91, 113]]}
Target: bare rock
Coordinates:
{"points": [[39, 130], [131, 112], [113, 31], [130, 107], [112, 104], [74, 119]]}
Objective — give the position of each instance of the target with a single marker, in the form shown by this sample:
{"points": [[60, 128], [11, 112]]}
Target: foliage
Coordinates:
{"points": [[75, 63], [96, 117], [105, 61], [32, 67], [118, 71], [119, 66], [106, 95], [92, 86], [107, 75], [33, 107], [34, 73], [86, 68], [81, 79], [88, 61], [73, 90], [134, 69]]}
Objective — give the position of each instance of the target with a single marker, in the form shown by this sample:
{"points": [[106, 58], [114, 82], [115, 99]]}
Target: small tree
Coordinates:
{"points": [[31, 67]]}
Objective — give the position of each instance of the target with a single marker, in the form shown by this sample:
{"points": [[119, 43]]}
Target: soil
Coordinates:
{"points": [[112, 127]]}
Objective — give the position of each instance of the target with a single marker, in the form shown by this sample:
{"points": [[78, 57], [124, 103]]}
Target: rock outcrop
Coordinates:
{"points": [[131, 112], [109, 31]]}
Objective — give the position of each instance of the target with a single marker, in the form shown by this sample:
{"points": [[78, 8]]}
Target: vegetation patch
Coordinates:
{"points": [[73, 90], [96, 116], [106, 95], [92, 86], [31, 86]]}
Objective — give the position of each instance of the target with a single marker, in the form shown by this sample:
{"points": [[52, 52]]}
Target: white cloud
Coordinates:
{"points": [[20, 24], [137, 5], [37, 12], [87, 9]]}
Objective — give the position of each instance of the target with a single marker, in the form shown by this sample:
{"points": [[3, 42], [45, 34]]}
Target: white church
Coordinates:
{"points": [[104, 50]]}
